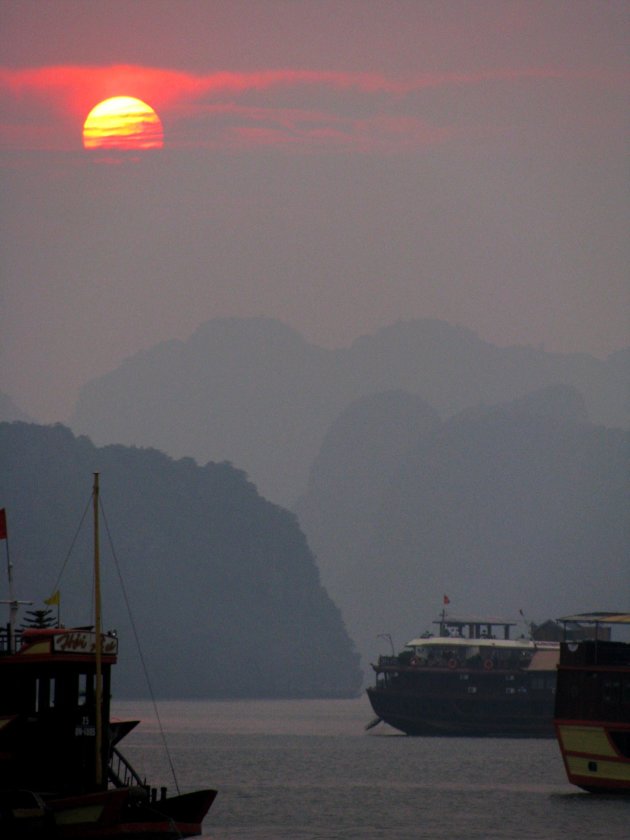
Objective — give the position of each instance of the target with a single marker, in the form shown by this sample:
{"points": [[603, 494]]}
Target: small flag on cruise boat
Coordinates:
{"points": [[3, 524], [54, 599], [447, 600]]}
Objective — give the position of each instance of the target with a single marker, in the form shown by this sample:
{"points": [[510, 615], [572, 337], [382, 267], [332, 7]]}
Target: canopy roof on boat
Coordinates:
{"points": [[597, 618], [461, 641]]}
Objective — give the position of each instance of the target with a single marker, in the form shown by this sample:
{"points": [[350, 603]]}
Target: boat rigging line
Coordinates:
{"points": [[72, 544], [138, 645]]}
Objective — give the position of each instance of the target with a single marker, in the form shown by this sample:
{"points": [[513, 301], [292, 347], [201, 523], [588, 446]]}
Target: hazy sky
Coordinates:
{"points": [[337, 164]]}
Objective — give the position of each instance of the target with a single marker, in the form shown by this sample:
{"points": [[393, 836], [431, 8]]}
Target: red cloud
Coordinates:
{"points": [[74, 83], [79, 88], [60, 97]]}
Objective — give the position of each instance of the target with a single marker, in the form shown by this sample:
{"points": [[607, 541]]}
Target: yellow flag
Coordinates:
{"points": [[54, 599]]}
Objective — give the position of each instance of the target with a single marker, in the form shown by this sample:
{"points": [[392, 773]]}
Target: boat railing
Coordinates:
{"points": [[452, 660], [389, 660], [121, 773], [5, 641]]}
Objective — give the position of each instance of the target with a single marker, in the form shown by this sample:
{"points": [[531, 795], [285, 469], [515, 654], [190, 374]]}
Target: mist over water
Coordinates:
{"points": [[307, 770]]}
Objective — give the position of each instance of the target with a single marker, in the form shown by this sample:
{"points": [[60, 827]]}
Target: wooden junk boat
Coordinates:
{"points": [[470, 678], [61, 773], [592, 715]]}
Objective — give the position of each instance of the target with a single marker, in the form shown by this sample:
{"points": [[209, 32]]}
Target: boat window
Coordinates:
{"points": [[82, 689], [621, 740], [86, 689], [44, 694], [21, 693]]}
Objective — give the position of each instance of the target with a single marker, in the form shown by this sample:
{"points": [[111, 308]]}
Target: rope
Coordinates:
{"points": [[65, 562], [137, 638]]}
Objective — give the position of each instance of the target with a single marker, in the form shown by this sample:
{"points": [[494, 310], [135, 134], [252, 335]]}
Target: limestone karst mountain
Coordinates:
{"points": [[223, 589], [254, 392]]}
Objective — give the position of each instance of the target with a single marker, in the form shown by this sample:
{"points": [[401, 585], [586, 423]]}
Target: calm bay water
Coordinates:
{"points": [[307, 770]]}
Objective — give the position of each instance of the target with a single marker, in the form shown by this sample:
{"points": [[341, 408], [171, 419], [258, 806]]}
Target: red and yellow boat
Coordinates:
{"points": [[61, 774], [592, 707]]}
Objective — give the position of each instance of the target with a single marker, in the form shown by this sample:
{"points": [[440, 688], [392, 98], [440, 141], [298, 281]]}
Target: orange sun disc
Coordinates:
{"points": [[122, 122]]}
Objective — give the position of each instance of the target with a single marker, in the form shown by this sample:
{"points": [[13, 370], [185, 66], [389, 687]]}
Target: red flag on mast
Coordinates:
{"points": [[447, 600], [3, 524]]}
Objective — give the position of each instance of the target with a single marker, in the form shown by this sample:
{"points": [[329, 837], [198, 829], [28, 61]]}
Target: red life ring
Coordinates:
{"points": [[452, 664], [414, 661], [488, 665]]}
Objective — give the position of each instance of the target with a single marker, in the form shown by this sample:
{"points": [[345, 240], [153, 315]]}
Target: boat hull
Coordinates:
{"points": [[596, 755], [107, 815], [500, 704]]}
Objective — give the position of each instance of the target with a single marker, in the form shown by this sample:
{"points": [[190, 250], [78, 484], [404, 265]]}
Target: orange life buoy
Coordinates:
{"points": [[452, 664], [488, 665]]}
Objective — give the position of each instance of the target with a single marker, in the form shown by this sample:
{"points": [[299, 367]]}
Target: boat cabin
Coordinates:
{"points": [[472, 643], [474, 628], [48, 708], [594, 675]]}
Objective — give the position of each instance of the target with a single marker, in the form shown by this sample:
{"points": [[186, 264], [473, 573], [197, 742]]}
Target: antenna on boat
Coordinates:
{"points": [[97, 630], [529, 626], [387, 636], [12, 601]]}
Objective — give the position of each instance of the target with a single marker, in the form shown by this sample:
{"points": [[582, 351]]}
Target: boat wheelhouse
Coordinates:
{"points": [[471, 678], [592, 710]]}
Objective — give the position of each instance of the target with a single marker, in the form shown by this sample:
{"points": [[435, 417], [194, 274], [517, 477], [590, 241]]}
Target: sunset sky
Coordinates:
{"points": [[337, 164]]}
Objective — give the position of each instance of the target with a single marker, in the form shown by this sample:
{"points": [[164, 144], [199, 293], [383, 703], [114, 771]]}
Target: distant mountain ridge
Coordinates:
{"points": [[521, 505], [223, 588], [254, 392]]}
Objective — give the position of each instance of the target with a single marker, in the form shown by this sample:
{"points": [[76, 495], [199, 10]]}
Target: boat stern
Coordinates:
{"points": [[596, 755]]}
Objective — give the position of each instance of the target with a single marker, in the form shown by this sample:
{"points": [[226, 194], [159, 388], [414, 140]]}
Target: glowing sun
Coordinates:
{"points": [[122, 122]]}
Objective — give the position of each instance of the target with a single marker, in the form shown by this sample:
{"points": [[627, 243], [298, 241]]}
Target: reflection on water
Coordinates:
{"points": [[305, 770]]}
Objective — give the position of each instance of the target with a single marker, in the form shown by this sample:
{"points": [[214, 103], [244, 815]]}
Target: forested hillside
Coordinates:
{"points": [[221, 584]]}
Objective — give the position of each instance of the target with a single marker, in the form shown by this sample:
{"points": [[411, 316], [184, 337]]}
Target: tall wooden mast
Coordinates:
{"points": [[98, 652]]}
